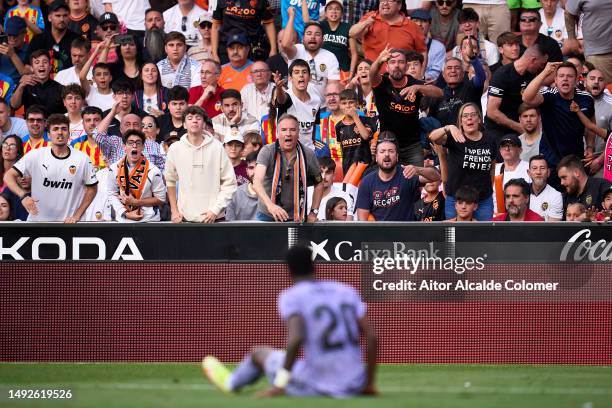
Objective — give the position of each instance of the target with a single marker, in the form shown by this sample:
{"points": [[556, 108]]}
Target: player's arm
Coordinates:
{"points": [[375, 75], [371, 354]]}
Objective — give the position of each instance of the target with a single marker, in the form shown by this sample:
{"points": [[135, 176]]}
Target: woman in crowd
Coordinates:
{"points": [[152, 98], [361, 83], [5, 208], [128, 63], [150, 127], [11, 150], [470, 160]]}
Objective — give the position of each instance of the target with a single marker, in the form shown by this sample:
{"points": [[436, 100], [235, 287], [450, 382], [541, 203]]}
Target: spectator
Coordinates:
{"points": [[92, 116], [512, 167], [544, 200], [79, 50], [234, 121], [298, 101], [445, 22], [73, 97], [361, 83], [252, 143], [578, 186], [13, 53], [55, 40], [595, 85], [390, 193], [597, 32], [11, 151], [171, 123], [509, 47], [251, 19], [414, 65], [431, 206], [178, 68], [150, 128], [553, 21], [529, 118], [236, 73], [576, 212], [388, 27], [243, 206], [283, 167], [578, 61], [469, 26], [563, 133], [234, 145], [505, 91], [331, 190], [31, 15], [298, 23], [530, 24], [466, 204], [208, 94], [11, 125], [459, 90], [326, 129], [63, 180], [494, 17], [107, 30], [336, 38], [336, 209], [153, 42], [153, 97], [470, 160], [37, 136], [38, 88], [355, 10], [257, 95], [436, 51], [81, 22], [130, 13], [323, 64], [353, 132], [100, 95], [182, 17], [200, 166], [135, 185], [5, 208], [129, 60], [516, 194], [398, 97], [203, 50], [123, 91]]}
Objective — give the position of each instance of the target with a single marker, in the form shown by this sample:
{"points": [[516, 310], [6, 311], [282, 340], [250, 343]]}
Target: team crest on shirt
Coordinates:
{"points": [[218, 106], [544, 206], [72, 169], [588, 200], [98, 215], [85, 28], [322, 67]]}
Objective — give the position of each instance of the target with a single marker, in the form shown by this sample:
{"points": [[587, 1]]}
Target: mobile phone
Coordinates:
{"points": [[3, 39], [123, 39]]}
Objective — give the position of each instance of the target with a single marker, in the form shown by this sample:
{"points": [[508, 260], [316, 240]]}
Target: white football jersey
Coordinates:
{"points": [[58, 184]]}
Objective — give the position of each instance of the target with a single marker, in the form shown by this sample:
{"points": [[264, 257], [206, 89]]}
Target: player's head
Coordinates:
{"points": [[58, 125], [299, 261]]}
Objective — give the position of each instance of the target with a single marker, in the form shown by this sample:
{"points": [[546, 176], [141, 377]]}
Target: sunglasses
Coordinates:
{"points": [[108, 27], [445, 2], [529, 19], [205, 24], [148, 126], [184, 23]]}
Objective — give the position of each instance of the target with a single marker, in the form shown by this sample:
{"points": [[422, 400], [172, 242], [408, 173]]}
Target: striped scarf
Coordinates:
{"points": [[299, 183]]}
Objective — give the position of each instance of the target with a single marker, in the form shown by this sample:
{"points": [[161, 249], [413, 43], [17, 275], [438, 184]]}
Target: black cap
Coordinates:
{"points": [[512, 138], [109, 18], [237, 37], [58, 4]]}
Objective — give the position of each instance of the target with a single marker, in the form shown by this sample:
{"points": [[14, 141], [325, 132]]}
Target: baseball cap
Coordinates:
{"points": [[15, 26], [204, 18], [237, 37], [512, 138], [335, 1], [110, 18], [234, 138], [420, 14], [58, 4]]}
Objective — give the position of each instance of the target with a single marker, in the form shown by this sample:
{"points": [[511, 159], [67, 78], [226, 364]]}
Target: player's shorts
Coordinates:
{"points": [[295, 388], [524, 4]]}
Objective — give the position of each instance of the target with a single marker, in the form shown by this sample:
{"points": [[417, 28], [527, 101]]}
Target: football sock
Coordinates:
{"points": [[246, 373]]}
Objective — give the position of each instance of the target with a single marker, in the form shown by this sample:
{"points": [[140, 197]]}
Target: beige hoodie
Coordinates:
{"points": [[205, 177]]}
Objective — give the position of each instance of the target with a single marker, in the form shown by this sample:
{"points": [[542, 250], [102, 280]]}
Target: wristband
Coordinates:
{"points": [[282, 378], [24, 196]]}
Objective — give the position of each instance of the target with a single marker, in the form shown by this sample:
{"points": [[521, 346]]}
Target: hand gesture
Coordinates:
{"points": [[410, 171], [574, 107], [128, 200], [470, 51], [352, 112], [28, 80], [278, 79], [291, 12], [456, 134], [209, 91], [385, 54], [237, 117], [208, 217], [7, 50], [176, 217], [278, 213], [409, 93], [30, 205], [551, 68]]}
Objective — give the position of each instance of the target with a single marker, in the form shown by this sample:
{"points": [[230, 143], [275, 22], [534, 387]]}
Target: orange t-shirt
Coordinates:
{"points": [[232, 78], [405, 35]]}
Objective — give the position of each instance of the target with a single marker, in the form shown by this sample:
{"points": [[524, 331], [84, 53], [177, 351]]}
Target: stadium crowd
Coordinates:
{"points": [[219, 110]]}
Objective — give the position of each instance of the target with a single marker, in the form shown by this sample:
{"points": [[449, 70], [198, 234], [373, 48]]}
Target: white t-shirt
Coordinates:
{"points": [[69, 76], [149, 103], [306, 113], [323, 67], [174, 22], [95, 98], [57, 184], [100, 207], [549, 203], [556, 30], [519, 172], [130, 12], [255, 102], [18, 127], [342, 190], [76, 130]]}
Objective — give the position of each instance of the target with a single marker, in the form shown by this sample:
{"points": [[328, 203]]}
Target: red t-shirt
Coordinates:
{"points": [[529, 216], [212, 106]]}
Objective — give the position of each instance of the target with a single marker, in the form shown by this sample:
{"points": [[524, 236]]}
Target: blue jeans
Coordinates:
{"points": [[263, 217], [483, 213]]}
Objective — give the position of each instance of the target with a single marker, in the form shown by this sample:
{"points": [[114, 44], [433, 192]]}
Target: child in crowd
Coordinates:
{"points": [[353, 132], [336, 209], [234, 145], [576, 212], [466, 203], [430, 207], [243, 206]]}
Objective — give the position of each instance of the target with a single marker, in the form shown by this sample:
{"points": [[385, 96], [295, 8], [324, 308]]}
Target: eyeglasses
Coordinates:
{"points": [[108, 27], [9, 146], [445, 2], [134, 143], [507, 145], [529, 19], [469, 115], [259, 71], [184, 23], [34, 120], [148, 126]]}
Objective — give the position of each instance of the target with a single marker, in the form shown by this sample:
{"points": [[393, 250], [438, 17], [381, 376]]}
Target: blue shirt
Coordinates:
{"points": [[563, 133], [391, 200], [298, 22]]}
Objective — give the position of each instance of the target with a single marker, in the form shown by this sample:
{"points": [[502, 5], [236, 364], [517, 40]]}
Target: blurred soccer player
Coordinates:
{"points": [[324, 317]]}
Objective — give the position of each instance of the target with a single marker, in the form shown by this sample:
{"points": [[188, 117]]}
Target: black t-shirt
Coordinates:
{"points": [[86, 26], [337, 42], [551, 46], [48, 95], [246, 16], [60, 52], [446, 109], [508, 85], [470, 164], [430, 211], [354, 147], [592, 196], [399, 115], [495, 67], [167, 128]]}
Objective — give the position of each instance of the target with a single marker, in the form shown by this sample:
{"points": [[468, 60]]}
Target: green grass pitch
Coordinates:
{"points": [[182, 385]]}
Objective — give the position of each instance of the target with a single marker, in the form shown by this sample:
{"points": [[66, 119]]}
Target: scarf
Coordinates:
{"points": [[328, 136], [268, 130], [136, 178], [299, 183]]}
